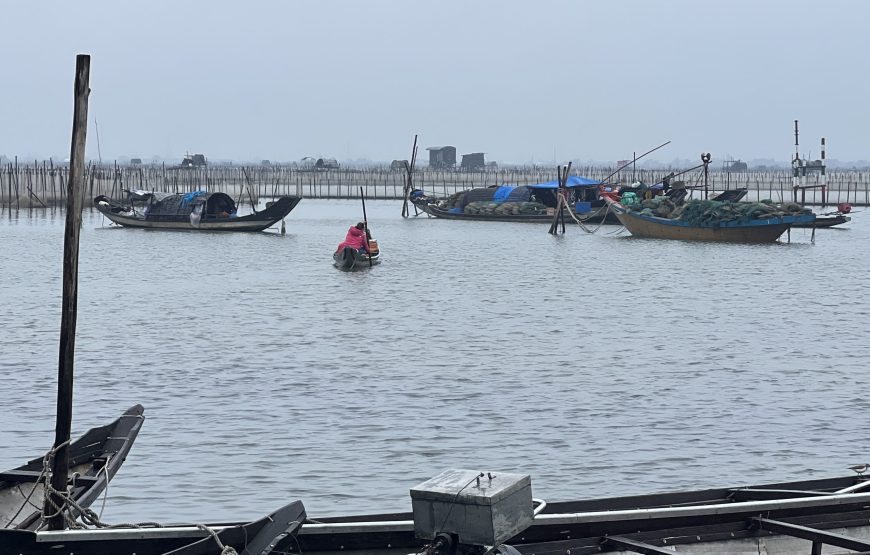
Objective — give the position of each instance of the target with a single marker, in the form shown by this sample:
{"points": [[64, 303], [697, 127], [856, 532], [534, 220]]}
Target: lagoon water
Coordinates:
{"points": [[598, 364]]}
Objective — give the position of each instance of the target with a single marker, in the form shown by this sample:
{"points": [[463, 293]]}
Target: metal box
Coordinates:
{"points": [[487, 511]]}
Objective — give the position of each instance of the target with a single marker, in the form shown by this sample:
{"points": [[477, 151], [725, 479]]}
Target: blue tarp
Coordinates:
{"points": [[502, 193], [573, 181], [192, 195]]}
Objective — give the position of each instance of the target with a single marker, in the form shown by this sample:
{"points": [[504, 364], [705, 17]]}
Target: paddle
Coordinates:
{"points": [[366, 225]]}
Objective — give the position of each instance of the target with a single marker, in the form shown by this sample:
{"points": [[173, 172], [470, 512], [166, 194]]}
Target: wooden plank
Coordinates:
{"points": [[811, 534]]}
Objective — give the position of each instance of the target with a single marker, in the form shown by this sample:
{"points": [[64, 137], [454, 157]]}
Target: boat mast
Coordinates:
{"points": [[55, 505]]}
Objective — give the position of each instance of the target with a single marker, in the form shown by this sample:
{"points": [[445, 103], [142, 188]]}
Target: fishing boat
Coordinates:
{"points": [[774, 519], [744, 227], [94, 459], [196, 210], [350, 259], [275, 533], [826, 220], [831, 219], [524, 203]]}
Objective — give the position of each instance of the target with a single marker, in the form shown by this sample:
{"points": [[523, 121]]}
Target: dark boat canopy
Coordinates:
{"points": [[184, 204]]}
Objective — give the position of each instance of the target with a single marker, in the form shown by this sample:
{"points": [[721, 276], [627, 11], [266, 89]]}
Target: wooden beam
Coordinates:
{"points": [[634, 546], [811, 534]]}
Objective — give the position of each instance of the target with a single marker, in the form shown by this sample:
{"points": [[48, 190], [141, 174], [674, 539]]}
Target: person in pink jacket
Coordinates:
{"points": [[356, 238]]}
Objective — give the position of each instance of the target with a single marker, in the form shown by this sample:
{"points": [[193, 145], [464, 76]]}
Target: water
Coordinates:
{"points": [[598, 364]]}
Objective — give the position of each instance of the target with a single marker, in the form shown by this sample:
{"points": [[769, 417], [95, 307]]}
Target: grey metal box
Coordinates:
{"points": [[485, 513]]}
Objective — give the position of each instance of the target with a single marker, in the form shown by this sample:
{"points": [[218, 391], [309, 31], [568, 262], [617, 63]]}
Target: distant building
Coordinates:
{"points": [[326, 164], [398, 165], [195, 161], [491, 166], [135, 161], [265, 163], [734, 166], [473, 161], [442, 156]]}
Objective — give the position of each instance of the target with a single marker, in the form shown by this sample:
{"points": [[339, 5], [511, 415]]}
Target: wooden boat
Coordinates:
{"points": [[775, 519], [525, 203], [349, 259], [274, 533], [197, 210], [94, 458], [752, 231], [826, 220]]}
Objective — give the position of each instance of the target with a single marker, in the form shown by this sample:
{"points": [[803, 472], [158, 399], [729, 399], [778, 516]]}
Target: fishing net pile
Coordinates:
{"points": [[503, 194], [712, 213], [504, 208]]}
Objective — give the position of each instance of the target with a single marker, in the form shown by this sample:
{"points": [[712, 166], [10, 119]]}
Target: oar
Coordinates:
{"points": [[366, 225]]}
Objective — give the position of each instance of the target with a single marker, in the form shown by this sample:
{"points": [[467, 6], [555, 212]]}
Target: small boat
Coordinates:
{"points": [[775, 519], [272, 534], [765, 228], [826, 220], [524, 203], [830, 219], [349, 259], [196, 210], [94, 459]]}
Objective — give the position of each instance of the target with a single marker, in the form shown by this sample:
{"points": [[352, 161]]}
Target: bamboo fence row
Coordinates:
{"points": [[41, 184]]}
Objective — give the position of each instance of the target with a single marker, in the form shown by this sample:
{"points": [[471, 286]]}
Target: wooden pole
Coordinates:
{"points": [[409, 168], [60, 462]]}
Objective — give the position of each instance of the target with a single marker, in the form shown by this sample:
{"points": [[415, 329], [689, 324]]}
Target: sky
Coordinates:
{"points": [[522, 81]]}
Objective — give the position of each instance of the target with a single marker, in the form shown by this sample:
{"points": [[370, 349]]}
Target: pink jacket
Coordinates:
{"points": [[355, 238]]}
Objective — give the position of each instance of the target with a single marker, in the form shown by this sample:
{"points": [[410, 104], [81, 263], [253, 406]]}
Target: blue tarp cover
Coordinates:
{"points": [[192, 195], [573, 181], [502, 193]]}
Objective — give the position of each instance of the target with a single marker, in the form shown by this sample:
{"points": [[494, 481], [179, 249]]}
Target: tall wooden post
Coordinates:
{"points": [[60, 462]]}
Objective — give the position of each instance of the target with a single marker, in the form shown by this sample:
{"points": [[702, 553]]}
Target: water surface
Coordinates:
{"points": [[598, 364]]}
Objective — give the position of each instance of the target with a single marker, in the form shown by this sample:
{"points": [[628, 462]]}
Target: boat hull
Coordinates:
{"points": [[753, 231], [349, 259], [257, 221], [272, 534], [825, 221], [709, 521], [596, 216], [96, 457]]}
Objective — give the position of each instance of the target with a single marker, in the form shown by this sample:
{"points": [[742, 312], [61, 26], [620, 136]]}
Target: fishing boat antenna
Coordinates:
{"points": [[705, 159], [55, 501], [97, 130], [633, 161]]}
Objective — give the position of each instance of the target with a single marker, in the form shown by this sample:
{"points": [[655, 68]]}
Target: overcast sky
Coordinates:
{"points": [[519, 80]]}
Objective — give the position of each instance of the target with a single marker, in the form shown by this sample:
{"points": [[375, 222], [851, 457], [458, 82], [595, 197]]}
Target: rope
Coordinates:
{"points": [[225, 549]]}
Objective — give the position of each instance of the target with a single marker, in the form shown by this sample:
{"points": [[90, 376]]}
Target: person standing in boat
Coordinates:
{"points": [[356, 237]]}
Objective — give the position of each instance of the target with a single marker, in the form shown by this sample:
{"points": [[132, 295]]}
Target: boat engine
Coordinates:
{"points": [[467, 512]]}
